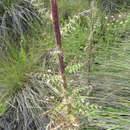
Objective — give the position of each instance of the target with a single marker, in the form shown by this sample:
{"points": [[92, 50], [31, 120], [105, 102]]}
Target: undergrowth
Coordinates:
{"points": [[32, 95]]}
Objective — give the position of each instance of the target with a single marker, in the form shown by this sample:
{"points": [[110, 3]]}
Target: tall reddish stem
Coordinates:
{"points": [[54, 7]]}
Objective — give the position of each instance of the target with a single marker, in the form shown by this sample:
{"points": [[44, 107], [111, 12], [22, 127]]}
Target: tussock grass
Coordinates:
{"points": [[17, 18]]}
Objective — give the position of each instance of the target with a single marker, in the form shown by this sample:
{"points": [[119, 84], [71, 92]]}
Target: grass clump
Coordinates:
{"points": [[17, 18], [21, 95]]}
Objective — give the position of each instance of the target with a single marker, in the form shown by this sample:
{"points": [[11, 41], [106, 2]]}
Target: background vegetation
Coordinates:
{"points": [[96, 47]]}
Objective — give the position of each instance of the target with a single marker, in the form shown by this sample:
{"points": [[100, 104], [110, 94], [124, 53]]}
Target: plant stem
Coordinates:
{"points": [[54, 7]]}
